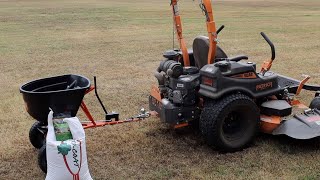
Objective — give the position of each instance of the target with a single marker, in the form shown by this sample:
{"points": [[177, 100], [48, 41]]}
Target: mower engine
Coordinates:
{"points": [[178, 88]]}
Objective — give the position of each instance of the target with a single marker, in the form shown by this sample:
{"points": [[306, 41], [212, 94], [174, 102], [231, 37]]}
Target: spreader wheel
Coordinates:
{"points": [[42, 158], [230, 123], [37, 134]]}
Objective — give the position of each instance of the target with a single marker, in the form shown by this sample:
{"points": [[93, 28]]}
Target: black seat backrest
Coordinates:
{"points": [[200, 51]]}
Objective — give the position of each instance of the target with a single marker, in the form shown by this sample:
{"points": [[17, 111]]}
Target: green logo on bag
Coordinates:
{"points": [[64, 148]]}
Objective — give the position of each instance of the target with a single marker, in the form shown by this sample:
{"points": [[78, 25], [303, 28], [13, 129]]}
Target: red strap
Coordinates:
{"points": [[75, 176]]}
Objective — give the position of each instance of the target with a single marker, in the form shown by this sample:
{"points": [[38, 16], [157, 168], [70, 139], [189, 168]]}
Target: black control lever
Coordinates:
{"points": [[96, 92], [273, 56], [109, 116], [220, 29], [238, 58]]}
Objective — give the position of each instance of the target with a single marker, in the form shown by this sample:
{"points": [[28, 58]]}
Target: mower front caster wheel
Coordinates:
{"points": [[230, 123], [315, 103]]}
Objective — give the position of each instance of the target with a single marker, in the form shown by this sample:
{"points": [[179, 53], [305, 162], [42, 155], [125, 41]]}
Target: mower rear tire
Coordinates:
{"points": [[42, 158], [230, 124], [37, 135]]}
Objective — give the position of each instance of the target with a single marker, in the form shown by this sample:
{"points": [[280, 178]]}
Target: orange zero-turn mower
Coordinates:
{"points": [[227, 96], [63, 95]]}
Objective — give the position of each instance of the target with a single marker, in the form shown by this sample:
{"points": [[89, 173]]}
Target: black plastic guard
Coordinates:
{"points": [[172, 114], [276, 108]]}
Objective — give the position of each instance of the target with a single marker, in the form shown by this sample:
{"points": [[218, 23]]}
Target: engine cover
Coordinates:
{"points": [[183, 90]]}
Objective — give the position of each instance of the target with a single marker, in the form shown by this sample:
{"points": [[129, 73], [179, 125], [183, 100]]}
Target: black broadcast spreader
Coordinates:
{"points": [[63, 95]]}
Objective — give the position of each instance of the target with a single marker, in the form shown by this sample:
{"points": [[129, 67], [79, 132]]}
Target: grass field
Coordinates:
{"points": [[121, 42]]}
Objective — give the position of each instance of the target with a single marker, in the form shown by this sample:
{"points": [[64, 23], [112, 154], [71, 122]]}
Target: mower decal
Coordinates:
{"points": [[315, 119], [248, 75], [264, 86]]}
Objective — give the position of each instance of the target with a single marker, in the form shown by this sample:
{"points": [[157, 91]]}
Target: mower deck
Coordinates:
{"points": [[270, 123]]}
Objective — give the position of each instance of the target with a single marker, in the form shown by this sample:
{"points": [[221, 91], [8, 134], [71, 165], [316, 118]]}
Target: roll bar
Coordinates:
{"points": [[206, 7], [178, 27]]}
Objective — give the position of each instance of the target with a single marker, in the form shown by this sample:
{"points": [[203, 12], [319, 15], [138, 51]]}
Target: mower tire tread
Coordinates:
{"points": [[213, 115]]}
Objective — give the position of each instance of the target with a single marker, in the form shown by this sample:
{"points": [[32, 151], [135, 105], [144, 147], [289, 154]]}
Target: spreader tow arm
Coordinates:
{"points": [[206, 7]]}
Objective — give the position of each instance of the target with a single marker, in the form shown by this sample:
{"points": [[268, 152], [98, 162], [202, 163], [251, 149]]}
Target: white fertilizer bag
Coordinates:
{"points": [[67, 160]]}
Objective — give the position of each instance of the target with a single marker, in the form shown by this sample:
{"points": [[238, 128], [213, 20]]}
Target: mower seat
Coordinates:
{"points": [[200, 51]]}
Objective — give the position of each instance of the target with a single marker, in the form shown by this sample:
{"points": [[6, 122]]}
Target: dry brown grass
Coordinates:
{"points": [[121, 42]]}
